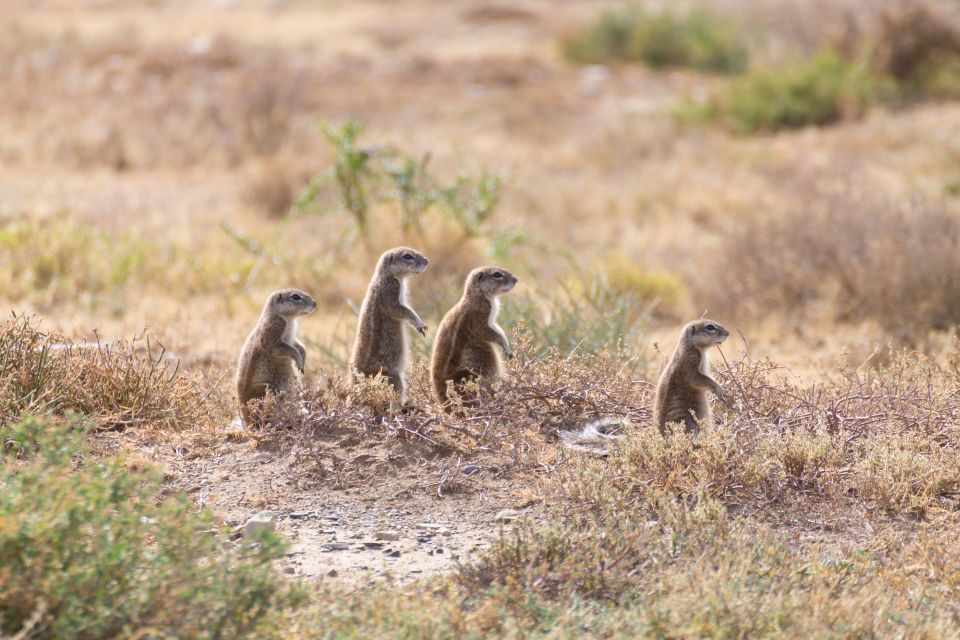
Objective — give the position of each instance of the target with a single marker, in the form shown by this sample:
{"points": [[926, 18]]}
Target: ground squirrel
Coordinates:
{"points": [[381, 344], [272, 357], [467, 340], [682, 390]]}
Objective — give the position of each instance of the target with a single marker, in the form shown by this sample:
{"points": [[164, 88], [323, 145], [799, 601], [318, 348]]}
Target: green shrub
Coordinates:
{"points": [[819, 91], [364, 179], [90, 549], [698, 40]]}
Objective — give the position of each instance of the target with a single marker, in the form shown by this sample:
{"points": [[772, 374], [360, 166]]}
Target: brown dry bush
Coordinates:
{"points": [[705, 538], [126, 384], [918, 44], [895, 264], [517, 427], [883, 442]]}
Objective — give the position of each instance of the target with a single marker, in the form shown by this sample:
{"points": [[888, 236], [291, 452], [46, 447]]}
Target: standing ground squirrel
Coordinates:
{"points": [[682, 390], [272, 357], [381, 344], [467, 340]]}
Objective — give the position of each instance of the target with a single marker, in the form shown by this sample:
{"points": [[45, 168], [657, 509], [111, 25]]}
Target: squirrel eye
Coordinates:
{"points": [[710, 327], [408, 256], [295, 296], [497, 275]]}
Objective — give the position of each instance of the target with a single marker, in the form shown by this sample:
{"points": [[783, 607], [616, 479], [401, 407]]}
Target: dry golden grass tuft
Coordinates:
{"points": [[124, 385]]}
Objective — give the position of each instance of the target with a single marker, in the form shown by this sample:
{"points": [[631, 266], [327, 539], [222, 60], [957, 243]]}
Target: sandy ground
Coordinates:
{"points": [[383, 526]]}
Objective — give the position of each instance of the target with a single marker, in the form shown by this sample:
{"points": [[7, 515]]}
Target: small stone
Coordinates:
{"points": [[440, 550], [394, 554], [416, 570], [471, 469], [391, 536], [289, 570], [373, 545], [445, 532], [262, 457], [430, 526], [302, 514], [335, 546], [332, 573], [507, 515], [260, 524]]}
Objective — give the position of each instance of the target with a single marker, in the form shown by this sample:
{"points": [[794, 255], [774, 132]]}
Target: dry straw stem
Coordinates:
{"points": [[121, 385]]}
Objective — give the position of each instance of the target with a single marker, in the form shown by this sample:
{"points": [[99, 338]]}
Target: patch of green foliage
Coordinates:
{"points": [[819, 91], [362, 178], [698, 40], [92, 549]]}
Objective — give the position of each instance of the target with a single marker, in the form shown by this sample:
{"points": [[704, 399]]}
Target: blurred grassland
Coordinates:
{"points": [[790, 168]]}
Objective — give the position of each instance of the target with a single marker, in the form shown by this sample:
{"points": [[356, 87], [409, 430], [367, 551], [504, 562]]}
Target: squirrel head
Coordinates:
{"points": [[291, 302], [491, 281], [704, 333], [402, 261]]}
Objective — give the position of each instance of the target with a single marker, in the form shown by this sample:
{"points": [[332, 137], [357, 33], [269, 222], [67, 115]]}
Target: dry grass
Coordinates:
{"points": [[881, 441], [209, 101], [864, 258], [919, 45], [123, 385], [515, 429]]}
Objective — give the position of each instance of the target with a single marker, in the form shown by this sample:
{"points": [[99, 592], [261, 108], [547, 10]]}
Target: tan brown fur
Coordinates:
{"points": [[469, 341], [272, 358], [682, 390], [381, 343]]}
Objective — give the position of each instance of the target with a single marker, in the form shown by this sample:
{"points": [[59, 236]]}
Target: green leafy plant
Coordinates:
{"points": [[91, 549], [819, 91], [698, 40], [364, 180]]}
